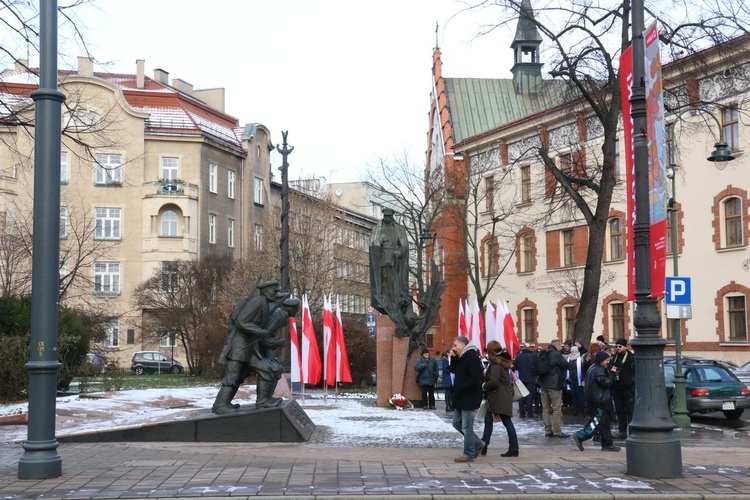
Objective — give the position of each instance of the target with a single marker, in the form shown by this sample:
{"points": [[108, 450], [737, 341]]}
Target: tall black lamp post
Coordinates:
{"points": [[719, 156], [40, 459], [285, 149], [652, 449]]}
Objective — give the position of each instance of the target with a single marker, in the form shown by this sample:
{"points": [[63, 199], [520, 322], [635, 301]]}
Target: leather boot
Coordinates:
{"points": [[222, 404], [264, 395]]}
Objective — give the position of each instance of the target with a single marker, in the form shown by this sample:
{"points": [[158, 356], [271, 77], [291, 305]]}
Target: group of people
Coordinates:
{"points": [[599, 380]]}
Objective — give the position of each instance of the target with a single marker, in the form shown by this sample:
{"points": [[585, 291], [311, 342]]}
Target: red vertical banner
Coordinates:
{"points": [[656, 135], [626, 89]]}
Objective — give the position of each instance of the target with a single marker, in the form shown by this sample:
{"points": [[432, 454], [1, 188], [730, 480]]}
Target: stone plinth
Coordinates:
{"points": [[391, 352]]}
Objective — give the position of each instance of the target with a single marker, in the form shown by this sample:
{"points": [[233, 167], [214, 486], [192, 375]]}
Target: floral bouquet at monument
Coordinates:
{"points": [[399, 402]]}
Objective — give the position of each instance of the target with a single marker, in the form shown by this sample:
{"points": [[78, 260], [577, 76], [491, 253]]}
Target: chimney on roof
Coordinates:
{"points": [[85, 66], [161, 76], [140, 76], [182, 86]]}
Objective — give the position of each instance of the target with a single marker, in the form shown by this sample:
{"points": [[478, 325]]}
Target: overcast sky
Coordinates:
{"points": [[350, 80]]}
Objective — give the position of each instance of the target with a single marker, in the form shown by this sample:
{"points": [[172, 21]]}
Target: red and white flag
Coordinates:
{"points": [[311, 364], [509, 329], [489, 323], [329, 343], [296, 375], [343, 371], [462, 329], [475, 331]]}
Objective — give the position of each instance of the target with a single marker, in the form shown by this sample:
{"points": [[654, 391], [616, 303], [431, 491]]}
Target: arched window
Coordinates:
{"points": [[169, 223]]}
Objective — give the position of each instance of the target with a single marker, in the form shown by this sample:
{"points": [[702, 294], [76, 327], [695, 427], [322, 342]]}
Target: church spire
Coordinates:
{"points": [[527, 69]]}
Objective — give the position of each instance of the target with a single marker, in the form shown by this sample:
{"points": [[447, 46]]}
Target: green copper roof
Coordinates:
{"points": [[477, 105], [526, 29]]}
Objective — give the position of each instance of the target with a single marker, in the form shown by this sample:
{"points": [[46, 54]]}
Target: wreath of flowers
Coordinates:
{"points": [[399, 402]]}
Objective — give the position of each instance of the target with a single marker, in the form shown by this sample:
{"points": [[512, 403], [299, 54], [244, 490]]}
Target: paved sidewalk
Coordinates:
{"points": [[547, 469]]}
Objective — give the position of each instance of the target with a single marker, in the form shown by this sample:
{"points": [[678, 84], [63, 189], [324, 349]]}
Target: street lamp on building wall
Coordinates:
{"points": [[719, 156]]}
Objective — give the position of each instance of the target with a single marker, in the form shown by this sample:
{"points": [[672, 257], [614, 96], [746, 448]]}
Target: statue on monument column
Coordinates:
{"points": [[389, 260], [251, 343]]}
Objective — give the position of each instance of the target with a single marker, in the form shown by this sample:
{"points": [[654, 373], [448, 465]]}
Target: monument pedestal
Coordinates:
{"points": [[394, 376]]}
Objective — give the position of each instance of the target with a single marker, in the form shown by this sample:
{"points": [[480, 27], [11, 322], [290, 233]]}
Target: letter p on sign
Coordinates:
{"points": [[678, 291]]}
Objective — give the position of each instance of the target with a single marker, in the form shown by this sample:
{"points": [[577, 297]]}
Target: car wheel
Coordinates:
{"points": [[733, 414], [176, 369], [139, 370]]}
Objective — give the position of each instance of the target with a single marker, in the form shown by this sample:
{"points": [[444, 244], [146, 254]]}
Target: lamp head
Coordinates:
{"points": [[721, 155], [425, 235]]}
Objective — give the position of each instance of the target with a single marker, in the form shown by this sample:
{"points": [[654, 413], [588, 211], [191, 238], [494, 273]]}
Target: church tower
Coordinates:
{"points": [[527, 69]]}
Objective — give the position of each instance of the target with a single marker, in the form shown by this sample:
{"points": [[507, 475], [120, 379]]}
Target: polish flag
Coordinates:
{"points": [[462, 330], [329, 343], [311, 364], [296, 375], [476, 327], [343, 371], [489, 322], [509, 330], [500, 323]]}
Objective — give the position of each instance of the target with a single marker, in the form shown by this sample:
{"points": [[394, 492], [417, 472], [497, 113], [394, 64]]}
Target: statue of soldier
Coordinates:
{"points": [[251, 329], [389, 260]]}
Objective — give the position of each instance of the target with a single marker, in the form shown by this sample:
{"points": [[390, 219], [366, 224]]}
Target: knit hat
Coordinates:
{"points": [[600, 356], [425, 350], [621, 341], [573, 349], [505, 355]]}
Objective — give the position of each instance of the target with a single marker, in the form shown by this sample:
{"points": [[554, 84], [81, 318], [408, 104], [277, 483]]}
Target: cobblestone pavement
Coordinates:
{"points": [[715, 465]]}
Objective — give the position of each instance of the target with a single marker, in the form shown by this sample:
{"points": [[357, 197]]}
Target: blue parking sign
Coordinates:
{"points": [[677, 291]]}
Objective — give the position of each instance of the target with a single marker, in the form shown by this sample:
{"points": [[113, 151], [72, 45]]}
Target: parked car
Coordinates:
{"points": [[100, 361], [740, 372], [154, 362], [709, 387]]}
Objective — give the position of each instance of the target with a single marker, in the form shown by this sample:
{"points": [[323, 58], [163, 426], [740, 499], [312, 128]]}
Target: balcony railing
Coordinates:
{"points": [[170, 186]]}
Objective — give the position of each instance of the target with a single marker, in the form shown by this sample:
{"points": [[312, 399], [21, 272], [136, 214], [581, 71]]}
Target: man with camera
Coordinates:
{"points": [[623, 389]]}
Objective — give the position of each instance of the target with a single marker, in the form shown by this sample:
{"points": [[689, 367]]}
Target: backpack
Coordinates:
{"points": [[541, 365]]}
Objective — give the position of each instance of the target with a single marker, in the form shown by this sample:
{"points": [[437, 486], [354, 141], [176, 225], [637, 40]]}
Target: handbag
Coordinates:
{"points": [[519, 390], [482, 411]]}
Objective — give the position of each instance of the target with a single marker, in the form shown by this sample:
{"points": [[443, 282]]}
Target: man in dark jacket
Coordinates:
{"points": [[447, 379], [427, 376], [523, 363], [466, 365], [599, 400], [623, 390], [552, 384]]}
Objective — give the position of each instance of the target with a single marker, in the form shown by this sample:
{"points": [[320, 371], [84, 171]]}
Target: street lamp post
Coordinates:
{"points": [[719, 156], [40, 459], [652, 449], [285, 149]]}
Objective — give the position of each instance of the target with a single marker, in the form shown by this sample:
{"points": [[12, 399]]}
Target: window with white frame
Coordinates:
{"points": [[525, 184], [258, 191], [230, 233], [737, 317], [112, 333], [527, 256], [213, 181], [230, 183], [211, 228], [167, 338], [64, 169], [169, 221], [107, 224], [733, 222], [258, 237], [170, 168], [489, 193], [108, 169], [730, 122], [618, 159], [63, 222], [107, 278]]}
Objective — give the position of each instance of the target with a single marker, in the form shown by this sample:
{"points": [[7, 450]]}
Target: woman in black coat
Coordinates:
{"points": [[499, 389]]}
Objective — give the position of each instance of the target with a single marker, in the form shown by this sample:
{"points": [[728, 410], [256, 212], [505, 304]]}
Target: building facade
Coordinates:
{"points": [[539, 257]]}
